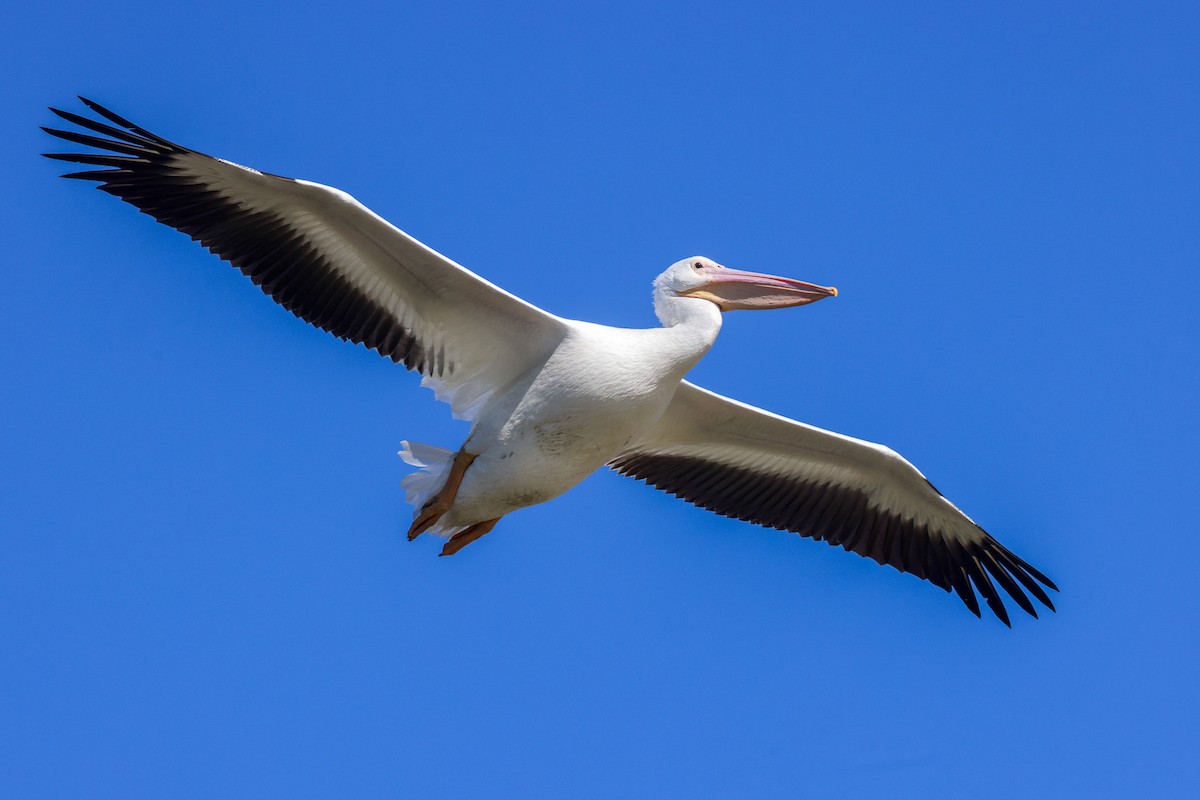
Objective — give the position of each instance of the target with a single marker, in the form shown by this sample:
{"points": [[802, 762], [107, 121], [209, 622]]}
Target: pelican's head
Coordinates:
{"points": [[733, 289]]}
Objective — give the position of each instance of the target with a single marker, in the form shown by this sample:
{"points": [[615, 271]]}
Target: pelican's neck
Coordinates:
{"points": [[690, 326]]}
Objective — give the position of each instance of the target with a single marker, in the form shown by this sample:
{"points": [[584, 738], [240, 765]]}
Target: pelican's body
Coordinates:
{"points": [[600, 390], [552, 400]]}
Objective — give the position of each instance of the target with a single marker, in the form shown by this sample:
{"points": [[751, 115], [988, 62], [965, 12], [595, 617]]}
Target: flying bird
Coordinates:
{"points": [[551, 400]]}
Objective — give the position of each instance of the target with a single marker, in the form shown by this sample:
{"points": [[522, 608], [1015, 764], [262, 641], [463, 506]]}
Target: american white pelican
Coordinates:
{"points": [[553, 399]]}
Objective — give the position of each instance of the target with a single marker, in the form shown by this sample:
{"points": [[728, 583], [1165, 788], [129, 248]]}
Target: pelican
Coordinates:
{"points": [[551, 400]]}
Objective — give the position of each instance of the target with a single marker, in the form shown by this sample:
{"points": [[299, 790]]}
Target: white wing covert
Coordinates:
{"points": [[740, 461], [328, 259]]}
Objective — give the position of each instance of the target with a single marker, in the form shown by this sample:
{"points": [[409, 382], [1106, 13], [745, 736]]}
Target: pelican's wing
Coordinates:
{"points": [[743, 462], [328, 259]]}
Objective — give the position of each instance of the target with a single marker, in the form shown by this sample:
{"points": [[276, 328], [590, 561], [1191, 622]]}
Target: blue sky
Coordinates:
{"points": [[205, 585]]}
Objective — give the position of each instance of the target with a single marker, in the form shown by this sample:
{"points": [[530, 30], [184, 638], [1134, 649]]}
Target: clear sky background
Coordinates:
{"points": [[205, 589]]}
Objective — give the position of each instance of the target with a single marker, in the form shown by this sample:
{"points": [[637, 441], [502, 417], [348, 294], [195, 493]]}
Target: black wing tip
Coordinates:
{"points": [[997, 607], [972, 602], [73, 157], [69, 116], [104, 112], [132, 133], [89, 175], [124, 147], [969, 576], [990, 560], [1049, 583]]}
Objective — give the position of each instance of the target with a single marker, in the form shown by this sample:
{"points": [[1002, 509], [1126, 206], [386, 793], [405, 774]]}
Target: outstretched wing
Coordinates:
{"points": [[743, 462], [326, 258]]}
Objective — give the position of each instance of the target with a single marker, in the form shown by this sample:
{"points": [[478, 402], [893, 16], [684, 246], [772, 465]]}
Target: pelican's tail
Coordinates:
{"points": [[433, 463]]}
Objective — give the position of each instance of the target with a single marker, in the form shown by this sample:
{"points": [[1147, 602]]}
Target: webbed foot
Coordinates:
{"points": [[464, 537]]}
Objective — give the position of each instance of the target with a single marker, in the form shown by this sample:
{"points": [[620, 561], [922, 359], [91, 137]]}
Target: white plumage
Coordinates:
{"points": [[551, 400]]}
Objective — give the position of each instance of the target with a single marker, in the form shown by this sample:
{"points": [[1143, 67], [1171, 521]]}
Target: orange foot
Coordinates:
{"points": [[464, 537], [440, 503]]}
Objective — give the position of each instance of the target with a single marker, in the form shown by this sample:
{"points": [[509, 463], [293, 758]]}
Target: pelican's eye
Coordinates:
{"points": [[696, 265]]}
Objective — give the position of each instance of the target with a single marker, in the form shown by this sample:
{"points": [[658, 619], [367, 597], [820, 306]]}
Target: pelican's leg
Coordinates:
{"points": [[464, 537], [440, 503]]}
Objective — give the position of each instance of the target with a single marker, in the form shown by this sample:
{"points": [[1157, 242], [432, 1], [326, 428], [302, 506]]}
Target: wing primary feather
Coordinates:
{"points": [[92, 174], [958, 578], [1015, 568], [124, 123], [1025, 566], [95, 159], [96, 141], [981, 580], [988, 560], [100, 127]]}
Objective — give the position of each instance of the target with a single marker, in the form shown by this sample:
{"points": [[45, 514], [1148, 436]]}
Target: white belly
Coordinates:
{"points": [[554, 429]]}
